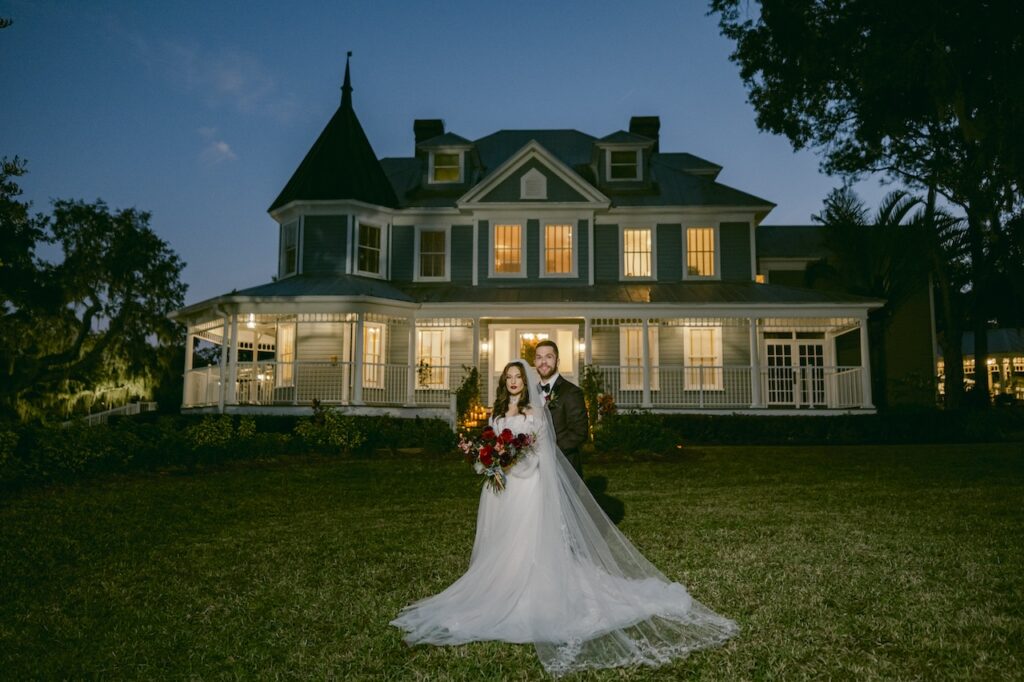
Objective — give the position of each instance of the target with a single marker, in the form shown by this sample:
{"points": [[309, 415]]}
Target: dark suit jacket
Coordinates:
{"points": [[568, 415]]}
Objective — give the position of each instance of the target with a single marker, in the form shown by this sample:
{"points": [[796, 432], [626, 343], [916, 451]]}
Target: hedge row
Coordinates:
{"points": [[37, 454], [663, 433]]}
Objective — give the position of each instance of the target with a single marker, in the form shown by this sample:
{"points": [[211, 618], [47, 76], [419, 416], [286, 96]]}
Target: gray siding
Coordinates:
{"points": [[320, 341], [324, 242], [403, 253], [670, 252], [734, 240], [606, 253], [396, 344], [735, 346], [583, 257], [532, 251], [462, 253], [509, 189]]}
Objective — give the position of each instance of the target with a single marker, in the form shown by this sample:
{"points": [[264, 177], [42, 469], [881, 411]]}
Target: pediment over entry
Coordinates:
{"points": [[533, 176]]}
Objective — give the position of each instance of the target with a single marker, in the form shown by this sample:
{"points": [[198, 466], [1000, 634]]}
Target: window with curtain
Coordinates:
{"points": [[700, 251], [558, 249], [637, 252], [631, 358], [431, 358], [508, 249], [703, 355], [373, 355]]}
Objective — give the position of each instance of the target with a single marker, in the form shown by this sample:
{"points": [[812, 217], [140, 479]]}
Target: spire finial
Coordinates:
{"points": [[346, 88]]}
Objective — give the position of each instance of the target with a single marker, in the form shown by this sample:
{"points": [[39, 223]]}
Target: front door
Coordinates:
{"points": [[519, 341], [795, 373]]}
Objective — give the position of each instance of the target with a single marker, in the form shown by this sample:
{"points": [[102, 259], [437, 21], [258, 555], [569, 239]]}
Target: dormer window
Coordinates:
{"points": [[446, 167], [623, 164], [289, 249], [369, 249]]}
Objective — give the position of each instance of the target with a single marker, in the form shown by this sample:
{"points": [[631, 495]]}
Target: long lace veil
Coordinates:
{"points": [[604, 604]]}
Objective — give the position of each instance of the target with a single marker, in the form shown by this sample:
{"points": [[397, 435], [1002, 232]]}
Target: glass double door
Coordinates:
{"points": [[795, 373]]}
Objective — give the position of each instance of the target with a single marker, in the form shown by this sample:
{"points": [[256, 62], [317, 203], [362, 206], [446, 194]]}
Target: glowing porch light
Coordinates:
{"points": [[251, 324]]}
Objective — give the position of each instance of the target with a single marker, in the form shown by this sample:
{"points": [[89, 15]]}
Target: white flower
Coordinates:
{"points": [[478, 467]]}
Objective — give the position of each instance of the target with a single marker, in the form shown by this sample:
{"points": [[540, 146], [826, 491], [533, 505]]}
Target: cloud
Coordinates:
{"points": [[216, 150], [225, 77]]}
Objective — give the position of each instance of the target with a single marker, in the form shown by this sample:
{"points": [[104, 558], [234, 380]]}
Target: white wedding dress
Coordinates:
{"points": [[548, 567]]}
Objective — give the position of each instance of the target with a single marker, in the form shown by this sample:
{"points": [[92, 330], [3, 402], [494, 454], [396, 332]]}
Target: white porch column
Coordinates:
{"points": [[756, 400], [865, 365], [190, 340], [476, 344], [357, 363], [410, 375], [232, 397], [224, 341], [588, 333], [646, 345]]}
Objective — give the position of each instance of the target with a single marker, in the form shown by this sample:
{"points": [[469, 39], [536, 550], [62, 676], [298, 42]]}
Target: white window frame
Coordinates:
{"points": [[447, 230], [622, 252], [493, 246], [296, 224], [445, 357], [383, 249], [374, 372], [631, 376], [524, 183], [716, 256], [284, 354], [608, 163], [691, 379], [574, 256], [462, 166]]}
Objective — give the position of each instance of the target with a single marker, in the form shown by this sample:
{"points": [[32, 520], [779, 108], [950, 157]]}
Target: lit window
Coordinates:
{"points": [[636, 252], [432, 253], [700, 251], [285, 354], [508, 249], [702, 350], [447, 167], [431, 358], [289, 248], [760, 279], [624, 165], [631, 358], [1018, 364], [373, 355], [369, 249], [558, 249]]}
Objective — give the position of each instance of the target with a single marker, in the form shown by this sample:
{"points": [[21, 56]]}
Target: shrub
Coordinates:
{"points": [[634, 431], [330, 431]]}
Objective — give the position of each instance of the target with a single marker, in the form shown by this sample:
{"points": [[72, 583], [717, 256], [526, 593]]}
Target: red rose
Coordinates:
{"points": [[488, 434], [486, 453], [507, 436], [521, 440]]}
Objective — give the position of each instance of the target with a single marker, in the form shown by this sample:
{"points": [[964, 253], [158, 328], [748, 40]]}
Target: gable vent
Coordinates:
{"points": [[533, 185]]}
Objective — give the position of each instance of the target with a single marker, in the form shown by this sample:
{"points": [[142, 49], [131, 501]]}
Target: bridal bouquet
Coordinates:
{"points": [[493, 454]]}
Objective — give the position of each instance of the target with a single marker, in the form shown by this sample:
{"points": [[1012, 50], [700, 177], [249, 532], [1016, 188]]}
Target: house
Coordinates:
{"points": [[1005, 362], [397, 274]]}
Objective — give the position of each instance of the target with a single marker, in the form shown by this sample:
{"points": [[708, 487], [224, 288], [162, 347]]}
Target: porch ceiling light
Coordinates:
{"points": [[251, 324]]}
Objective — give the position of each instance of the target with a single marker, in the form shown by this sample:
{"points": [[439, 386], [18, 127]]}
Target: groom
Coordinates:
{"points": [[565, 402]]}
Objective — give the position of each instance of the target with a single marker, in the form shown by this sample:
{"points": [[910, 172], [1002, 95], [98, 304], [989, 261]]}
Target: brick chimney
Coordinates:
{"points": [[648, 126], [427, 128]]}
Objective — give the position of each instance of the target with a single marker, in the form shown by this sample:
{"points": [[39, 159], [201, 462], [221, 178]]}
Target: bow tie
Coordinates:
{"points": [[546, 388]]}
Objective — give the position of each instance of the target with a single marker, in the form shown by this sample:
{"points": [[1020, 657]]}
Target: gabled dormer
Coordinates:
{"points": [[448, 158], [622, 160]]}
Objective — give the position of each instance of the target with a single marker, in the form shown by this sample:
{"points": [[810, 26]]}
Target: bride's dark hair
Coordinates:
{"points": [[503, 398]]}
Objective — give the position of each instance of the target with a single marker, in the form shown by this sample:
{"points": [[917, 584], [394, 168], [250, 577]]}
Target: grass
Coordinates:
{"points": [[842, 562]]}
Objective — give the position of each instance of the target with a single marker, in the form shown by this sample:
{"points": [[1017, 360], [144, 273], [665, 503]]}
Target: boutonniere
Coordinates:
{"points": [[551, 399]]}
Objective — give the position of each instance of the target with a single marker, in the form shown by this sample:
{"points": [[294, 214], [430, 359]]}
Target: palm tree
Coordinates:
{"points": [[877, 257]]}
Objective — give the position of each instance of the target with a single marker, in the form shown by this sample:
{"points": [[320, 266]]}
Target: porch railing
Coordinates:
{"points": [[723, 387], [299, 383]]}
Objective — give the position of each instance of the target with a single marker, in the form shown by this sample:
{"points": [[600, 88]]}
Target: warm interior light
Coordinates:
{"points": [[251, 324], [582, 346], [484, 346], [528, 336]]}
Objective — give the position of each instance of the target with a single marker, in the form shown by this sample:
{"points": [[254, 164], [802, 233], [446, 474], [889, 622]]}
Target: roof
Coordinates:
{"points": [[623, 137], [446, 140], [341, 164], [791, 241], [679, 293]]}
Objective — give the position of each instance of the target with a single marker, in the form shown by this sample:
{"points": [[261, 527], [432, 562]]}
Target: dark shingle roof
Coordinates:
{"points": [[791, 241], [571, 147], [326, 285], [621, 136], [340, 164], [445, 140], [688, 163], [1005, 340]]}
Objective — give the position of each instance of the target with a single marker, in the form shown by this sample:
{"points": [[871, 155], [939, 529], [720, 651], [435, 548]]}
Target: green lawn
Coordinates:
{"points": [[844, 562]]}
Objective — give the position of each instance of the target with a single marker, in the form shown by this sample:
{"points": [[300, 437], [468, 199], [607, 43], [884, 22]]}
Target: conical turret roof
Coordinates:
{"points": [[341, 163]]}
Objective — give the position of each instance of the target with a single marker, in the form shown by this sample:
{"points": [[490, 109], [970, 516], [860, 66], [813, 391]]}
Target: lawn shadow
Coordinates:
{"points": [[612, 506]]}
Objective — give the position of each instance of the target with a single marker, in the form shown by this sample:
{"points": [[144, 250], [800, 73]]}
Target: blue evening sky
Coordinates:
{"points": [[199, 112]]}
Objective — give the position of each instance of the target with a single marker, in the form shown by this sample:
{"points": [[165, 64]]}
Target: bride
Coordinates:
{"points": [[549, 567]]}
